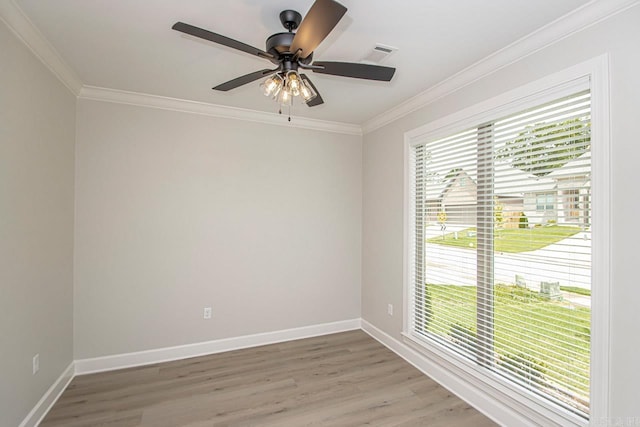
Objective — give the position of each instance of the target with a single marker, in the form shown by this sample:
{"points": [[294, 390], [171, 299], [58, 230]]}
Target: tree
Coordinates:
{"points": [[430, 176], [452, 174], [544, 147]]}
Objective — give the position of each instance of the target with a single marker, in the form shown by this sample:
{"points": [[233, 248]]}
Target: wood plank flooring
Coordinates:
{"points": [[345, 379]]}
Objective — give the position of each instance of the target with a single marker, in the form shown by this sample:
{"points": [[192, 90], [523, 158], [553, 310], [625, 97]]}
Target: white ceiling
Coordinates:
{"points": [[129, 45]]}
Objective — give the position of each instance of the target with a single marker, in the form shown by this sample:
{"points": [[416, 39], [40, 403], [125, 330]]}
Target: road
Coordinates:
{"points": [[567, 262]]}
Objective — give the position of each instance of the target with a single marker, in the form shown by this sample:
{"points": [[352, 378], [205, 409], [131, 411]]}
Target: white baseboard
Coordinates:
{"points": [[49, 398], [476, 396], [120, 361], [139, 358]]}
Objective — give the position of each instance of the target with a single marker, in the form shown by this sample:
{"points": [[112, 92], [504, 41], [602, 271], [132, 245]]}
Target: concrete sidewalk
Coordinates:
{"points": [[566, 261]]}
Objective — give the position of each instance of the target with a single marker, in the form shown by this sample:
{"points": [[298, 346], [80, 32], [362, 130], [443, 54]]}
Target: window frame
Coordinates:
{"points": [[548, 204], [592, 74]]}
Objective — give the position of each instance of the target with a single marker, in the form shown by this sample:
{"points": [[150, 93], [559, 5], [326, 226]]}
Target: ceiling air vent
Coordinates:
{"points": [[379, 53]]}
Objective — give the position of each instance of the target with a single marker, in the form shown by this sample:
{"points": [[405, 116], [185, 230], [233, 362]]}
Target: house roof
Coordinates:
{"points": [[509, 182], [512, 182], [578, 167]]}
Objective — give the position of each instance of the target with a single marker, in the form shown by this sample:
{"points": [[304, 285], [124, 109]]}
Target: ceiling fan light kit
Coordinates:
{"points": [[285, 88], [291, 51]]}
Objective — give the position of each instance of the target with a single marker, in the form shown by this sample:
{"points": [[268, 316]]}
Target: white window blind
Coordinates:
{"points": [[501, 248]]}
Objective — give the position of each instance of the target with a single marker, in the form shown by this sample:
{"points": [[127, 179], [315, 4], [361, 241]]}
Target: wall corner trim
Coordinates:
{"points": [[35, 416], [20, 24], [563, 27], [194, 107], [140, 358]]}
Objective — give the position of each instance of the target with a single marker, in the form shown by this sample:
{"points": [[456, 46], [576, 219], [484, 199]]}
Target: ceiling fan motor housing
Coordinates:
{"points": [[279, 45]]}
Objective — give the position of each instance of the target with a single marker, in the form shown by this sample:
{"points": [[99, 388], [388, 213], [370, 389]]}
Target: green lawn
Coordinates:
{"points": [[512, 240], [576, 290], [555, 333]]}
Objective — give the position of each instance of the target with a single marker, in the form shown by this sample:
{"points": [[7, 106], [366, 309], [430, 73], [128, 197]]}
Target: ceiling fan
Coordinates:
{"points": [[291, 51]]}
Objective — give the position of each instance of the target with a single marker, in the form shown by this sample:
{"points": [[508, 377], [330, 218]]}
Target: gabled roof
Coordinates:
{"points": [[509, 182], [438, 190], [454, 179]]}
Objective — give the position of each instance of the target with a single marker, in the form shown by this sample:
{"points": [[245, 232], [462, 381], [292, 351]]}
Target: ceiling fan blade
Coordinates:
{"points": [[318, 99], [323, 16], [355, 70], [243, 80], [225, 41]]}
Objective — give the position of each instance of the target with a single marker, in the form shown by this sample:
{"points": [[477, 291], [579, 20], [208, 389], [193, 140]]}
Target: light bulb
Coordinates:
{"points": [[307, 92], [272, 85], [284, 97], [293, 83]]}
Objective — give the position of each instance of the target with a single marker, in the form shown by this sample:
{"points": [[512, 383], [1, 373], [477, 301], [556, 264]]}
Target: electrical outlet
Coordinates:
{"points": [[390, 309], [207, 313], [36, 363]]}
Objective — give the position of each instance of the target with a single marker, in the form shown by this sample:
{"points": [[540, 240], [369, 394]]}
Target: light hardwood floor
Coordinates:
{"points": [[345, 379]]}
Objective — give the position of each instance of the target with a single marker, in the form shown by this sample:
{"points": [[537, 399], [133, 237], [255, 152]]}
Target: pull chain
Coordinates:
{"points": [[280, 112]]}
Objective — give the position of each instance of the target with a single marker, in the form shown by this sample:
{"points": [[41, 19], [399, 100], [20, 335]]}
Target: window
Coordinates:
{"points": [[505, 285], [572, 204], [545, 202]]}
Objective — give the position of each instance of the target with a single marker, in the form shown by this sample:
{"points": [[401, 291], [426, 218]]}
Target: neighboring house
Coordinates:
{"points": [[573, 190], [537, 195], [459, 198], [561, 196]]}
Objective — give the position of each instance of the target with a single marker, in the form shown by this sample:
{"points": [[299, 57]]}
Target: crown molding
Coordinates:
{"points": [[20, 24], [571, 23], [591, 13], [195, 107]]}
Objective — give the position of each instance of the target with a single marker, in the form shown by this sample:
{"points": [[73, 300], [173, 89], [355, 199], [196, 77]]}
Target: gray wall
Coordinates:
{"points": [[37, 127], [383, 188], [178, 211]]}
